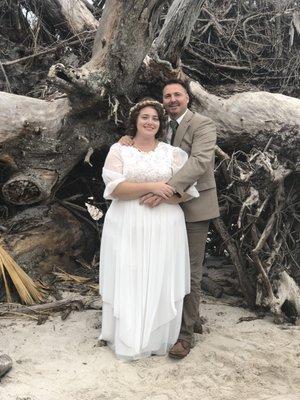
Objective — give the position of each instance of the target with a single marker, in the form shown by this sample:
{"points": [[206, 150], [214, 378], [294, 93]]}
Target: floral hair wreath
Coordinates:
{"points": [[146, 103]]}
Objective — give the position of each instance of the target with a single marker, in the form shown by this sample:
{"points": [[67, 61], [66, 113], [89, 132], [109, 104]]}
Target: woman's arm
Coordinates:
{"points": [[131, 190]]}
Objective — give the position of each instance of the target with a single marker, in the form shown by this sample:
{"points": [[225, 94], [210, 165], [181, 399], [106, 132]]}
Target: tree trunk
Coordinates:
{"points": [[44, 141], [22, 116], [43, 237], [172, 41], [29, 187], [117, 55], [251, 119], [67, 16]]}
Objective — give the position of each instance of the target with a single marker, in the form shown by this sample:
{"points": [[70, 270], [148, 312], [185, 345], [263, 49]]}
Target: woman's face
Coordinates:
{"points": [[147, 124]]}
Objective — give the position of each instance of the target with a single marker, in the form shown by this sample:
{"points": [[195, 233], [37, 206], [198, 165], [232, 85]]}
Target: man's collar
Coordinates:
{"points": [[180, 118]]}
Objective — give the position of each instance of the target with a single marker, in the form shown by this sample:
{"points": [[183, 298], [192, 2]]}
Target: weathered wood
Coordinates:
{"points": [[176, 31], [29, 187], [43, 142], [40, 238], [117, 53], [54, 306], [247, 286], [251, 119], [5, 364], [286, 290], [65, 15], [22, 116]]}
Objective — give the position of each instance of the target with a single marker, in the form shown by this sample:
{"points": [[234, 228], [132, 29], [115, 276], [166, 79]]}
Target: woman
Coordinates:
{"points": [[144, 261]]}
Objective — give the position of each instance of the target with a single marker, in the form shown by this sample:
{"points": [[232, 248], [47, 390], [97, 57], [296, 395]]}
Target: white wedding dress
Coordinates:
{"points": [[144, 259]]}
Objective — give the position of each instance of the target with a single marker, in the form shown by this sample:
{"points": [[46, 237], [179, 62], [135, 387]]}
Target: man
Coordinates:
{"points": [[196, 135]]}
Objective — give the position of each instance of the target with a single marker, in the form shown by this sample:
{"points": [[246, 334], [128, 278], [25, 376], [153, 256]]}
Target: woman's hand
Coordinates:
{"points": [[162, 189], [126, 140]]}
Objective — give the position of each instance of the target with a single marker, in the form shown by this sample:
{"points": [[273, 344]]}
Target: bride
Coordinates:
{"points": [[144, 260]]}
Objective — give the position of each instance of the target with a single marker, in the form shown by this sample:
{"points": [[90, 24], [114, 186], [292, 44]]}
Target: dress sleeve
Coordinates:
{"points": [[112, 172], [180, 157]]}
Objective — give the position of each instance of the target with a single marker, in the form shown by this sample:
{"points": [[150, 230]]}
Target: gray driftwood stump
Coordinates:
{"points": [[5, 364]]}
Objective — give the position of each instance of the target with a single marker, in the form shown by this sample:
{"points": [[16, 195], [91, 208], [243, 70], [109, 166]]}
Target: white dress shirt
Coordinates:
{"points": [[169, 131]]}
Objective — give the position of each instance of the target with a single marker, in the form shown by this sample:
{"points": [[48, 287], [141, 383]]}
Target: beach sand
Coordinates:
{"points": [[255, 360]]}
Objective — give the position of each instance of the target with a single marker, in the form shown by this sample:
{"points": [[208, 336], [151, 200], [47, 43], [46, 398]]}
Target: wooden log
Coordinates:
{"points": [[251, 119], [40, 238], [41, 142], [54, 306], [5, 364], [29, 187], [112, 52], [65, 15], [22, 116]]}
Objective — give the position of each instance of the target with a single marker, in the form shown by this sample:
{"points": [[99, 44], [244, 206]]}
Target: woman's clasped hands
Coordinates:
{"points": [[162, 189]]}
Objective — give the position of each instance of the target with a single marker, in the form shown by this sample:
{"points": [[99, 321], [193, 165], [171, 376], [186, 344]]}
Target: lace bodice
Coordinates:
{"points": [[154, 166], [126, 163]]}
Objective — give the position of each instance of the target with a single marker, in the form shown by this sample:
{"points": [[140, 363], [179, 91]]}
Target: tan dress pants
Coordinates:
{"points": [[197, 234]]}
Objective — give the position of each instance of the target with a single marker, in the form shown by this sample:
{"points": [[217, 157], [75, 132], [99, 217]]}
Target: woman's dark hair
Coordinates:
{"points": [[135, 111]]}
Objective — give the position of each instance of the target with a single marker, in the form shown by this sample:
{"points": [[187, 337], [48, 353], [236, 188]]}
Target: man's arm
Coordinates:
{"points": [[202, 152]]}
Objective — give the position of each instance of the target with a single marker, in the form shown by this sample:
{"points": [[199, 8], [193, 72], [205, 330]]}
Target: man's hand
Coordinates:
{"points": [[162, 189], [151, 200], [126, 140]]}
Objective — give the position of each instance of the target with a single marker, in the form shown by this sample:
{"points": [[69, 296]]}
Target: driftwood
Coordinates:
{"points": [[257, 199], [248, 120], [41, 312], [43, 237], [66, 16], [5, 364], [244, 45], [40, 309]]}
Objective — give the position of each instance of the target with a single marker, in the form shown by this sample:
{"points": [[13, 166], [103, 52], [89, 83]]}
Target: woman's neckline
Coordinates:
{"points": [[146, 151]]}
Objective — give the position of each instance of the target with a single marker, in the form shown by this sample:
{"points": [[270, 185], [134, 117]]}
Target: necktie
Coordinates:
{"points": [[174, 125]]}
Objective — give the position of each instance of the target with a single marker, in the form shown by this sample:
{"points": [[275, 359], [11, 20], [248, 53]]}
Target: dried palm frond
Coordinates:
{"points": [[64, 276], [26, 288]]}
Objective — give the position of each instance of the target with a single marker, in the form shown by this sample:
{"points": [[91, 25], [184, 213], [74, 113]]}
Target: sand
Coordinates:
{"points": [[254, 360]]}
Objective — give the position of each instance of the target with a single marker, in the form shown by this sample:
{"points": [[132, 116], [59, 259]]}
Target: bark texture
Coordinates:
{"points": [[251, 119], [44, 237], [176, 31], [68, 16]]}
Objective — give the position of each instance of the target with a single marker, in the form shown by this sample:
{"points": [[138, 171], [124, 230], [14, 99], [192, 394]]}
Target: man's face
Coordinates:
{"points": [[175, 99]]}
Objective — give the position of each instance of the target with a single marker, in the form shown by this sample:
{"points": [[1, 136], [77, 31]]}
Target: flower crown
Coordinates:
{"points": [[146, 103]]}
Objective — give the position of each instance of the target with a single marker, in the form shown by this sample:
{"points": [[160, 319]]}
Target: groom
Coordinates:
{"points": [[196, 135]]}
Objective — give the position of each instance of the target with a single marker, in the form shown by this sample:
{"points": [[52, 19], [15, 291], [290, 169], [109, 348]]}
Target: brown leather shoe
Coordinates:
{"points": [[180, 349]]}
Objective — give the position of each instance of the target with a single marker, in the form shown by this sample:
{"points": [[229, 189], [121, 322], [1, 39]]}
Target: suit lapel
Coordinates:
{"points": [[182, 128]]}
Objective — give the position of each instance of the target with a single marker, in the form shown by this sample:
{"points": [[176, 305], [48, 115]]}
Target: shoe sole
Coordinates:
{"points": [[177, 357]]}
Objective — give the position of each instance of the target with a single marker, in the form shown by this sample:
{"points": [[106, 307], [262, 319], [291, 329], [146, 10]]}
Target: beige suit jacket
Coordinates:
{"points": [[196, 135]]}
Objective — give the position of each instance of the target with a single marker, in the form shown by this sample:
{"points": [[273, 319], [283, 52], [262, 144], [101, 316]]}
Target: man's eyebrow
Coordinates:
{"points": [[166, 94]]}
